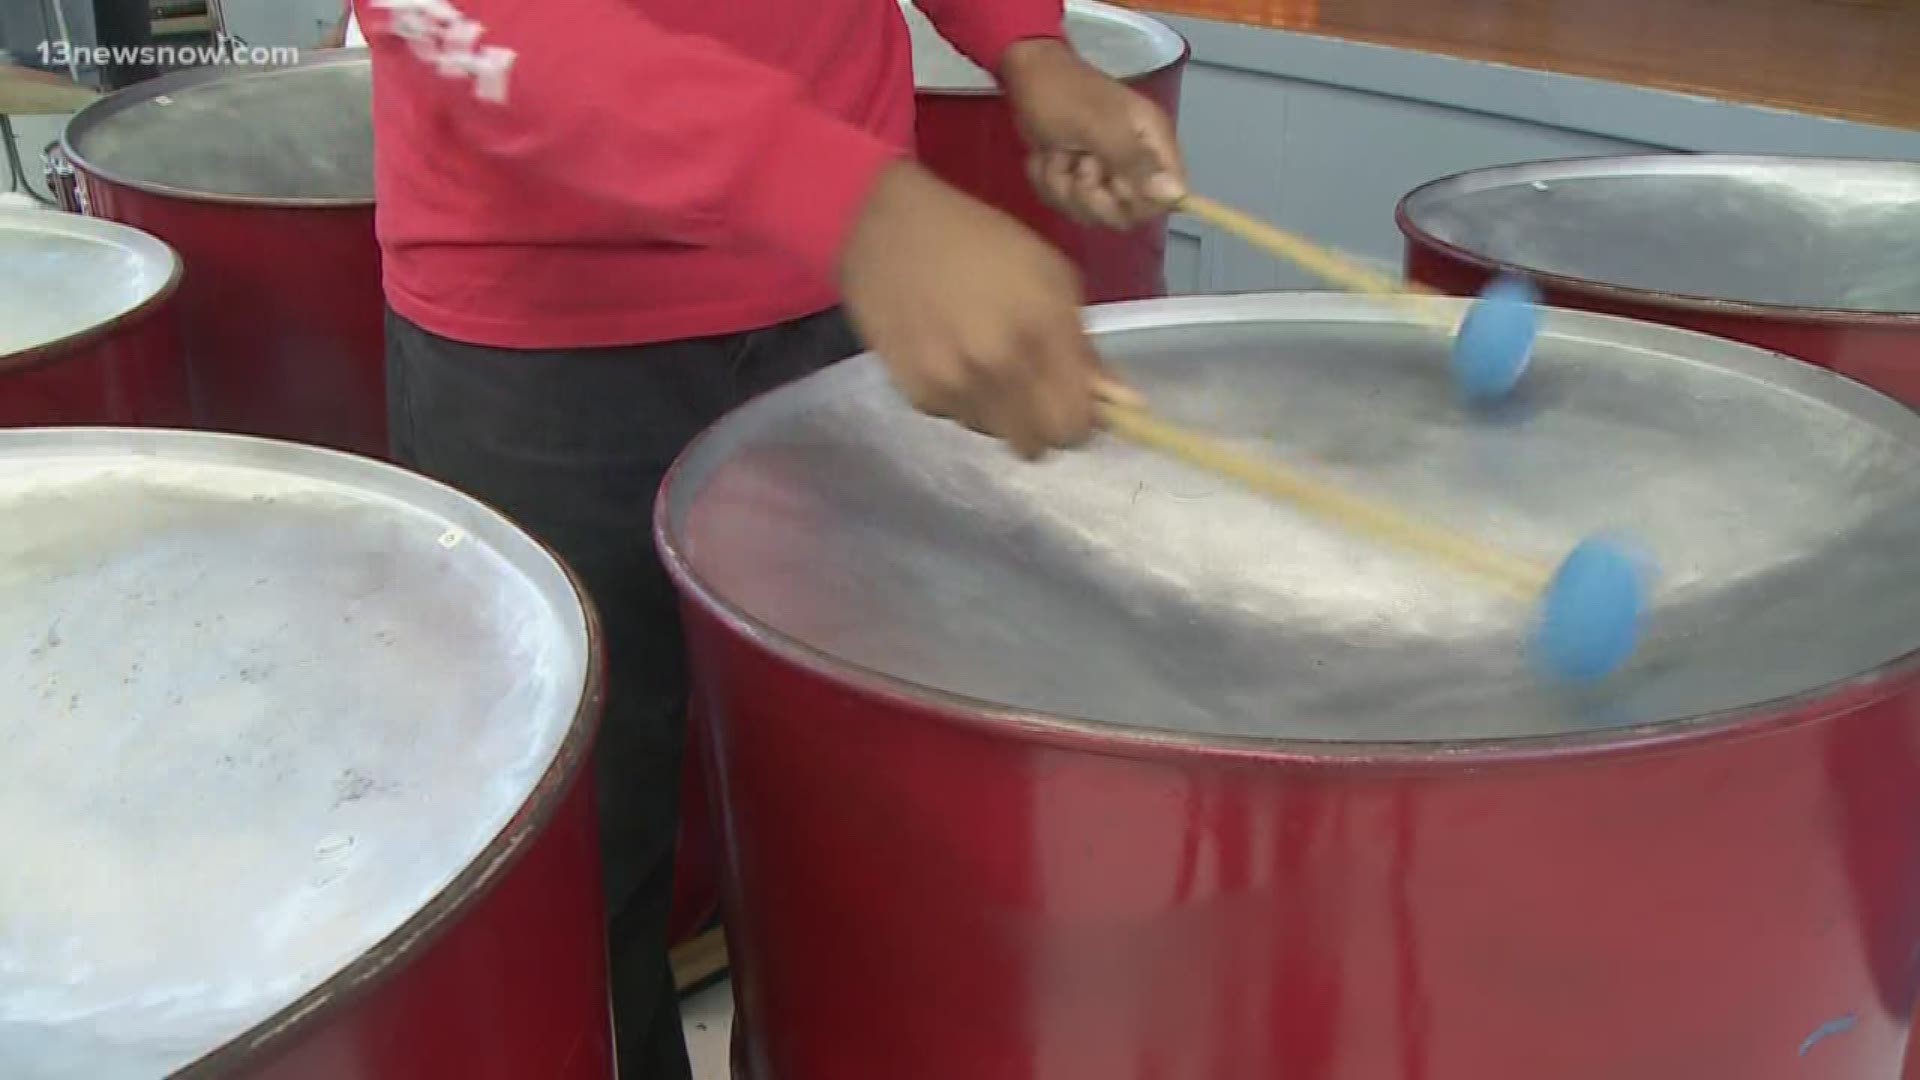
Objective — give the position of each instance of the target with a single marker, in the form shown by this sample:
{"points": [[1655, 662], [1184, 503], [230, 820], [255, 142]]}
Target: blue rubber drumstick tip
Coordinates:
{"points": [[1591, 615], [1495, 341]]}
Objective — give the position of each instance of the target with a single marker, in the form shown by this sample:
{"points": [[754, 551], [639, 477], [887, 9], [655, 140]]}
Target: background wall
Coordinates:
{"points": [[300, 23], [24, 26], [1323, 136]]}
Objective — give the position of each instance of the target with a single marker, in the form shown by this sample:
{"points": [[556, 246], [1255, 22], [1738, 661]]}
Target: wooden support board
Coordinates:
{"points": [[25, 92], [1851, 59], [699, 961]]}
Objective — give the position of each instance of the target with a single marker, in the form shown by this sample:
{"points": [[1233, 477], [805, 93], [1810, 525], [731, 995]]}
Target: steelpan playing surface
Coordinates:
{"points": [[1808, 233], [62, 275], [261, 704], [300, 134], [1122, 43], [1781, 502]]}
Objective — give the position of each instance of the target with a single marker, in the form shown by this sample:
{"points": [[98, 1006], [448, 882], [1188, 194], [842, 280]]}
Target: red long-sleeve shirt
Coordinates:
{"points": [[570, 173]]}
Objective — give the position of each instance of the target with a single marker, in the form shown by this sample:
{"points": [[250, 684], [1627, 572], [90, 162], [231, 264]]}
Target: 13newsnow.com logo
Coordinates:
{"points": [[225, 50]]}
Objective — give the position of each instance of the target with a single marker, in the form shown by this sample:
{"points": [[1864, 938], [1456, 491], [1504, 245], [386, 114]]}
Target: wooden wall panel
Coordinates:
{"points": [[1853, 59]]}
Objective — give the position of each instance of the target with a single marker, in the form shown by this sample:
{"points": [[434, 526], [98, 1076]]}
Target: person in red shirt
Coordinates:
{"points": [[605, 223]]}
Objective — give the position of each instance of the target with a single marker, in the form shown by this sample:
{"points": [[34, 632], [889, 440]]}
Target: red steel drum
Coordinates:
{"points": [[1106, 769], [1812, 257], [966, 134], [293, 787], [88, 330], [262, 179]]}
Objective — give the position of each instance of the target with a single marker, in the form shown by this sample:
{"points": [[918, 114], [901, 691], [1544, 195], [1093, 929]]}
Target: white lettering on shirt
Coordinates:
{"points": [[440, 35]]}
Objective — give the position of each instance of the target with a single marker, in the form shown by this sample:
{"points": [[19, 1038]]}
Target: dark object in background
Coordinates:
{"points": [[125, 26]]}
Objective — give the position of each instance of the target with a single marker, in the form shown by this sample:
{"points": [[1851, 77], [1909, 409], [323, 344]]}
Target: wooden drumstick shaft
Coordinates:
{"points": [[1319, 261], [1511, 573]]}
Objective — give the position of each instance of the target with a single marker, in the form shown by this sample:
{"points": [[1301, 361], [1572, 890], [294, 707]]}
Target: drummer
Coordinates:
{"points": [[606, 222]]}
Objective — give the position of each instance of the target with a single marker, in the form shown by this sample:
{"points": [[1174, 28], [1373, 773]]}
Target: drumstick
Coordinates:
{"points": [[1492, 342], [1513, 574], [1590, 606], [1322, 262]]}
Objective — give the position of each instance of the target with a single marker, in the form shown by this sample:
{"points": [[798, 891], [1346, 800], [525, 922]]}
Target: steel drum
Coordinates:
{"points": [[262, 178], [1105, 769], [293, 781], [1815, 258], [88, 323], [965, 133]]}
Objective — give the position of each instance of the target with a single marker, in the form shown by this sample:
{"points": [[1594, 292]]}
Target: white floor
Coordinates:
{"points": [[708, 1016]]}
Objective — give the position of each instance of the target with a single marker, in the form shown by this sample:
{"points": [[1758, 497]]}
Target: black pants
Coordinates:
{"points": [[573, 445]]}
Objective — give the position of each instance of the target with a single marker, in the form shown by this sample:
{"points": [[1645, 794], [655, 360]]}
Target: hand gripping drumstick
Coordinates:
{"points": [[1590, 606], [1491, 345]]}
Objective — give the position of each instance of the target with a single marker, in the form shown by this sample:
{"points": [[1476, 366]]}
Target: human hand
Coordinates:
{"points": [[1099, 152], [976, 318]]}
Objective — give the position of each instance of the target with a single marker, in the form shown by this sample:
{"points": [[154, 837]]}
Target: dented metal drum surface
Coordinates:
{"points": [[89, 328], [262, 178], [293, 787], [1104, 769], [1812, 257], [966, 134]]}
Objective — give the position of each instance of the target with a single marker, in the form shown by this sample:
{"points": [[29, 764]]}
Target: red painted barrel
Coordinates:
{"points": [[262, 179], [88, 324], [1811, 257], [1106, 769], [295, 781], [966, 135]]}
